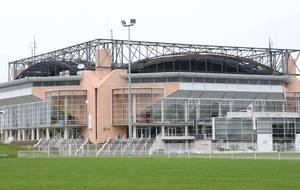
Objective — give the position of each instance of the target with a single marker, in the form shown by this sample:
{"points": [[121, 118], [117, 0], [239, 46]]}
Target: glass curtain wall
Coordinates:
{"points": [[66, 107], [293, 101], [146, 107], [153, 109], [242, 128], [26, 115]]}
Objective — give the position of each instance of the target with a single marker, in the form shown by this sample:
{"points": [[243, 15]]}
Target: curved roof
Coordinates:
{"points": [[209, 63], [44, 68], [269, 61], [208, 56]]}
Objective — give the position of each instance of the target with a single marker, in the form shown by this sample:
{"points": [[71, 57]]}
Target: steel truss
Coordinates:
{"points": [[143, 52]]}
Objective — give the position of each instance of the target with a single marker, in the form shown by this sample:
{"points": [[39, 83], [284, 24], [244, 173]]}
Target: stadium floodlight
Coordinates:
{"points": [[132, 22], [123, 23]]}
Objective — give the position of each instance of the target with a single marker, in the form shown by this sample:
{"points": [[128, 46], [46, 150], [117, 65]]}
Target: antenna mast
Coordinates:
{"points": [[270, 52], [33, 47]]}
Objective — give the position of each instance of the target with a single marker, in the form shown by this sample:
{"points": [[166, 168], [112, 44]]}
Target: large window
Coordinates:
{"points": [[68, 106], [147, 105]]}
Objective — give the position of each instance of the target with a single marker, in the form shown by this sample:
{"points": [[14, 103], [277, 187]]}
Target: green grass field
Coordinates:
{"points": [[11, 150], [145, 173]]}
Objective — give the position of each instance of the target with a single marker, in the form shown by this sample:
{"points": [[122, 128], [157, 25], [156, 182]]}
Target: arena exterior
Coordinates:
{"points": [[181, 93]]}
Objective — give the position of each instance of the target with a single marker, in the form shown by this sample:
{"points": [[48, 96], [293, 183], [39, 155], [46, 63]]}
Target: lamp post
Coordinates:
{"points": [[2, 118], [132, 22]]}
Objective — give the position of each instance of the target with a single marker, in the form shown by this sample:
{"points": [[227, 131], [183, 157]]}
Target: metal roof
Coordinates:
{"points": [[143, 53], [40, 79], [284, 78]]}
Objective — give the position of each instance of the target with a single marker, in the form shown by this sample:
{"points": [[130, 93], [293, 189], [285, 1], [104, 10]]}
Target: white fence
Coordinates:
{"points": [[170, 154]]}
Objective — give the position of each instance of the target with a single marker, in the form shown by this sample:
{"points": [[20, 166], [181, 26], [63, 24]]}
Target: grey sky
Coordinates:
{"points": [[61, 23]]}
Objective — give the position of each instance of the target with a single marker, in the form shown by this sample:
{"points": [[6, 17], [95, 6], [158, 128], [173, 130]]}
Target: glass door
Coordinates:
{"points": [[143, 132], [172, 131]]}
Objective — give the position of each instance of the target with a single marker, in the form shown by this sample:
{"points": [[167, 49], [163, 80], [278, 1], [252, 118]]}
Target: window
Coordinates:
{"points": [[264, 82], [135, 80], [198, 80], [243, 81], [185, 79], [160, 79], [231, 81], [173, 79], [210, 80], [147, 80], [221, 80], [71, 83], [253, 81], [61, 83]]}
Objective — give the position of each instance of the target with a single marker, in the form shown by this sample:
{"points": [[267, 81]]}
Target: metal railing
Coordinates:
{"points": [[170, 154]]}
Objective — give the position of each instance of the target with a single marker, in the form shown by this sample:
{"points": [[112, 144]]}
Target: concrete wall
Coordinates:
{"points": [[264, 143]]}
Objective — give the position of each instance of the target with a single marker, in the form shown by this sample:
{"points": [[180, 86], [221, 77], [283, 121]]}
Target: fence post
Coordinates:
{"points": [[169, 150], [70, 149], [96, 150], [254, 155], [82, 150], [210, 155], [33, 154], [156, 148], [232, 155], [88, 149], [189, 155], [48, 152], [279, 156]]}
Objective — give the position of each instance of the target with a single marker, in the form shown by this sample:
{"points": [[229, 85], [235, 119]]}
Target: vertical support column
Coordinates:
{"points": [[185, 111], [10, 133], [5, 135], [23, 134], [19, 134], [162, 131], [134, 132], [37, 134], [15, 134], [47, 133], [32, 134], [66, 133], [134, 108], [66, 110], [220, 108], [197, 110], [162, 111], [186, 144], [186, 130], [213, 128]]}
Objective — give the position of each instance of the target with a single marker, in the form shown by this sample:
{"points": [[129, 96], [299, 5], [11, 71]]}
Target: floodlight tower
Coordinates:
{"points": [[132, 22]]}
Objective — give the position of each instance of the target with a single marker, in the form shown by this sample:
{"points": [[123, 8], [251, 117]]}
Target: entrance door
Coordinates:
{"points": [[172, 131], [143, 132], [200, 129]]}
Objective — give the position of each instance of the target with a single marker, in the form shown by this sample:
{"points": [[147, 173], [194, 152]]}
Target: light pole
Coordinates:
{"points": [[2, 122], [132, 22]]}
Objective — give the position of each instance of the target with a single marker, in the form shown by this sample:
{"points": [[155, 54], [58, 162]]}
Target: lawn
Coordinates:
{"points": [[147, 173], [11, 150]]}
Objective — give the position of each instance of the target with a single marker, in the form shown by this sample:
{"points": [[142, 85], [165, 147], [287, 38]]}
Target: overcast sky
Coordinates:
{"points": [[61, 23]]}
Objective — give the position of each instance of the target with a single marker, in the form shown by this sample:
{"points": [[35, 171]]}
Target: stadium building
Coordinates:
{"points": [[181, 93]]}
